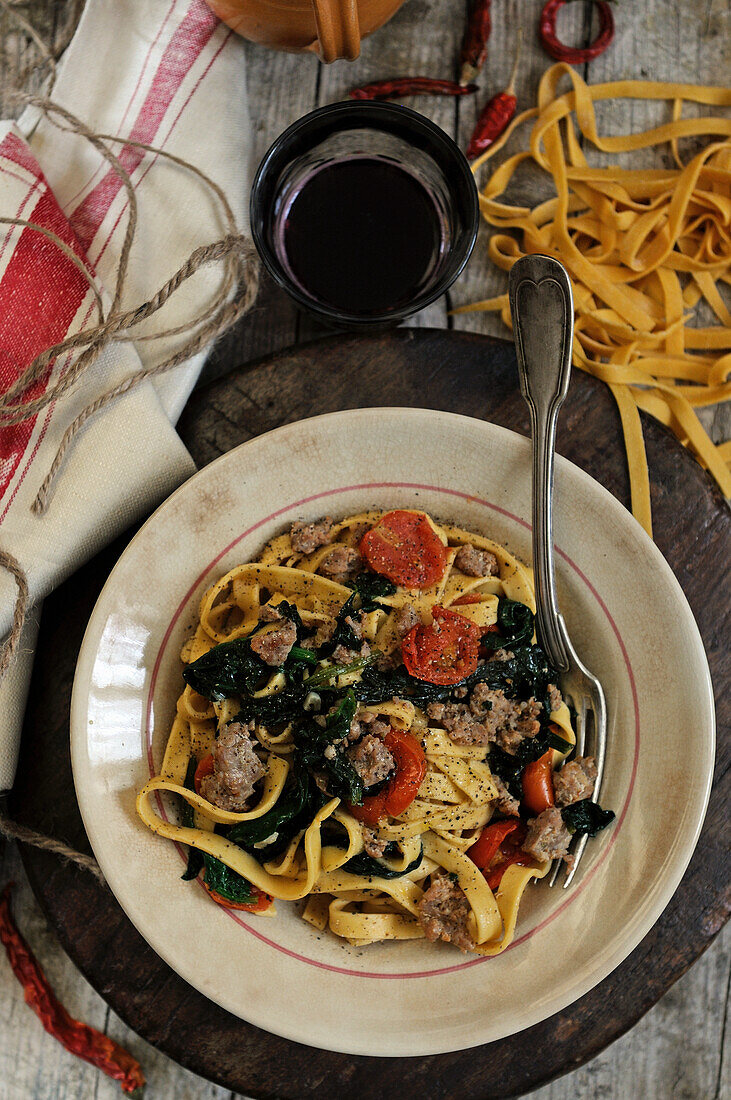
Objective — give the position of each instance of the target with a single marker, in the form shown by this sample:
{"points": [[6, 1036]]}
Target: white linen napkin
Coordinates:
{"points": [[168, 74]]}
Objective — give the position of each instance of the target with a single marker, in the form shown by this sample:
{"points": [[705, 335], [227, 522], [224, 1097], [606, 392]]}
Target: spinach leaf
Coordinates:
{"points": [[280, 707], [586, 817], [338, 721], [293, 808], [343, 633], [367, 589], [526, 674], [227, 882], [298, 664], [312, 739], [376, 686], [368, 867], [515, 622], [187, 819], [372, 587], [228, 669]]}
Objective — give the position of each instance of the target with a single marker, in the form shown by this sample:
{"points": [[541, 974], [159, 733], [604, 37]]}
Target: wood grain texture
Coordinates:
{"points": [[462, 373]]}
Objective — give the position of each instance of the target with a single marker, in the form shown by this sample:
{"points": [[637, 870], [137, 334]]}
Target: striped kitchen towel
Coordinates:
{"points": [[160, 72]]}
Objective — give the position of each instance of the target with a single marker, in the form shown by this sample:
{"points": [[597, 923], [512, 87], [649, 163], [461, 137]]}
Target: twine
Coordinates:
{"points": [[235, 297], [11, 830]]}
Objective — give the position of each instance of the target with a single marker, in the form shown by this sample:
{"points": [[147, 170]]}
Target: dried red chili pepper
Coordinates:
{"points": [[80, 1039], [474, 45], [410, 85], [557, 50], [495, 115]]}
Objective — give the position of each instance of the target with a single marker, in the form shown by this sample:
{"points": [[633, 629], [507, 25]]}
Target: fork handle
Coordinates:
{"points": [[542, 309]]}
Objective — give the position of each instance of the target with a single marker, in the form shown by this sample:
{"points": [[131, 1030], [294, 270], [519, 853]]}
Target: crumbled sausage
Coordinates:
{"points": [[547, 836], [306, 537], [444, 913], [555, 698], [405, 619], [508, 721], [273, 646], [459, 722], [342, 564], [575, 780], [366, 722], [342, 655], [373, 845], [236, 768], [355, 622], [505, 802], [502, 655], [269, 613], [476, 563], [371, 759]]}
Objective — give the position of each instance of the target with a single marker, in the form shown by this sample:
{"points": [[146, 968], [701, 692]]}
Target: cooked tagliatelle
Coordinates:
{"points": [[646, 249], [368, 727]]}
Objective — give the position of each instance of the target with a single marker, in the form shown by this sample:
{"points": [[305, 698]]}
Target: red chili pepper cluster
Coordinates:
{"points": [[80, 1039], [498, 111], [552, 45]]}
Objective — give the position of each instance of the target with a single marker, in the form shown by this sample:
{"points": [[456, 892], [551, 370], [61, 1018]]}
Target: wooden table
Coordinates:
{"points": [[678, 1049]]}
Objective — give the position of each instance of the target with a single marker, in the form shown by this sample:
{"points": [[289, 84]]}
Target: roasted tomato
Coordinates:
{"points": [[402, 788], [537, 782], [261, 901], [404, 547], [444, 652], [497, 848]]}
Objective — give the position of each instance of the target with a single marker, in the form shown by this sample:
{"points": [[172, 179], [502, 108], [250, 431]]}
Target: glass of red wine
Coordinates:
{"points": [[364, 213]]}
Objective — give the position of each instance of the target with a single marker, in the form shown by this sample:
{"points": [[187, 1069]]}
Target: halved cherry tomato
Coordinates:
{"points": [[445, 652], [403, 786], [205, 767], [495, 876], [497, 848], [261, 900], [537, 782], [404, 547], [469, 597], [485, 848]]}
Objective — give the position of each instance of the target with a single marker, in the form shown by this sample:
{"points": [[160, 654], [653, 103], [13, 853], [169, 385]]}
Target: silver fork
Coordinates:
{"points": [[541, 304]]}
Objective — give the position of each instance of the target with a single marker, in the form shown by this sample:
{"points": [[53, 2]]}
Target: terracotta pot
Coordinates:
{"points": [[330, 28]]}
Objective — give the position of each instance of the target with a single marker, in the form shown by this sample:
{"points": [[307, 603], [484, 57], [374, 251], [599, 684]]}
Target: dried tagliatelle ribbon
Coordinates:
{"points": [[642, 246]]}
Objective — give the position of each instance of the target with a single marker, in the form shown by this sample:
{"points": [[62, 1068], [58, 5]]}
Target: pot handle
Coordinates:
{"points": [[338, 29]]}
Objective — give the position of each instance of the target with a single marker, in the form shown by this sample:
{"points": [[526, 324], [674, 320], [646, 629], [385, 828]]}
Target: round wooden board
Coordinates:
{"points": [[462, 373]]}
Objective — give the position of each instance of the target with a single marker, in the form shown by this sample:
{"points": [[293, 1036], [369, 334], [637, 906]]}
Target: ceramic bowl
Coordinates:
{"points": [[628, 619]]}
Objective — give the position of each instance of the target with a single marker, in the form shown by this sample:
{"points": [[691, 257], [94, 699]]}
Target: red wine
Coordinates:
{"points": [[361, 235]]}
